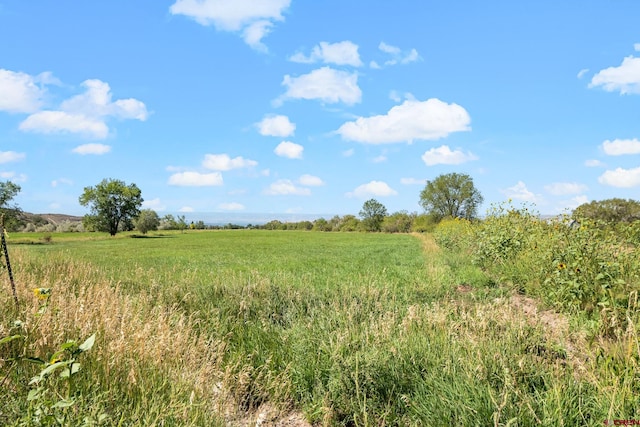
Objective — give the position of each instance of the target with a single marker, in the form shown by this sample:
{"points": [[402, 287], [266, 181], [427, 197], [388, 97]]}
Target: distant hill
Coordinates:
{"points": [[54, 219]]}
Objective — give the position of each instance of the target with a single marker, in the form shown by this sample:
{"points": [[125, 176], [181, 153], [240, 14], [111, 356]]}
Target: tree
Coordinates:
{"points": [[10, 213], [113, 205], [451, 195], [372, 214], [147, 220], [609, 211]]}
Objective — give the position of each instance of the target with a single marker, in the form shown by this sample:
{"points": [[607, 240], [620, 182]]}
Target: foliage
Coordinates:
{"points": [[147, 220], [113, 206], [372, 214], [398, 222], [9, 213], [451, 195], [610, 211]]}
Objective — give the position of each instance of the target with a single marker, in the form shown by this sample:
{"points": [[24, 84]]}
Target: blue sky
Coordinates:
{"points": [[290, 106]]}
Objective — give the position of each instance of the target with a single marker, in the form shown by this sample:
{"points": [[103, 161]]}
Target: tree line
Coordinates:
{"points": [[115, 206]]}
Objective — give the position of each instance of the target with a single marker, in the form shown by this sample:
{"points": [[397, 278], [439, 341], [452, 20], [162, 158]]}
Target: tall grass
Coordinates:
{"points": [[209, 328]]}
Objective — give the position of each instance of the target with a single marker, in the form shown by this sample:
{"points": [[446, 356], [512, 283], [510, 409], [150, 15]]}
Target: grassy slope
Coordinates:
{"points": [[350, 329]]}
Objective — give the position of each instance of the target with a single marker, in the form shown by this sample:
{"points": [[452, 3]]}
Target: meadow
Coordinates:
{"points": [[254, 327]]}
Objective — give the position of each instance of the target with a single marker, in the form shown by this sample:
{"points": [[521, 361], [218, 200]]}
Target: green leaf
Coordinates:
{"points": [[53, 367], [34, 394], [86, 346], [10, 338], [63, 403], [35, 360]]}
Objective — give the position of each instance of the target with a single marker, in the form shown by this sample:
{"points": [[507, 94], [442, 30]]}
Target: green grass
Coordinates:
{"points": [[347, 328]]}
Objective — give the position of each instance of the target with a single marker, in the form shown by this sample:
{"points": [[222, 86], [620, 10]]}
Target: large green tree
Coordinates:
{"points": [[9, 213], [372, 214], [609, 211], [451, 195], [113, 205]]}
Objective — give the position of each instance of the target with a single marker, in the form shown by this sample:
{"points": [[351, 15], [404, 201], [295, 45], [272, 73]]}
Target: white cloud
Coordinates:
{"points": [[57, 182], [310, 181], [222, 162], [521, 192], [232, 206], [574, 202], [348, 153], [285, 187], [398, 56], [379, 159], [289, 149], [154, 204], [619, 147], [373, 188], [11, 156], [341, 53], [196, 179], [86, 114], [185, 209], [625, 78], [276, 125], [253, 18], [15, 177], [636, 47], [444, 156], [61, 122], [582, 72], [593, 163], [325, 84], [20, 92], [412, 181], [92, 149], [564, 188], [623, 178], [429, 120], [254, 33]]}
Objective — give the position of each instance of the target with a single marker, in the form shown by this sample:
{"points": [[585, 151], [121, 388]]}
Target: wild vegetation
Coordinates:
{"points": [[244, 326]]}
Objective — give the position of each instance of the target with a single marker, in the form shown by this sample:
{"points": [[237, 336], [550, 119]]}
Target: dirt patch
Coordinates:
{"points": [[556, 325], [268, 416]]}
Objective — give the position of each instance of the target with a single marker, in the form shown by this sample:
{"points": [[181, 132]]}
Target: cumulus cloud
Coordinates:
{"points": [[185, 209], [623, 178], [289, 149], [154, 204], [324, 84], [15, 177], [565, 188], [11, 156], [444, 156], [222, 162], [92, 149], [341, 53], [284, 187], [57, 182], [231, 206], [310, 181], [412, 181], [428, 120], [582, 72], [624, 78], [398, 56], [521, 192], [86, 114], [373, 188], [619, 147], [276, 125], [593, 163], [252, 18], [196, 179], [21, 92]]}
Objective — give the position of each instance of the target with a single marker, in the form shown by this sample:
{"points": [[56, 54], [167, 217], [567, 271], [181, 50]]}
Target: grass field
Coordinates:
{"points": [[233, 327]]}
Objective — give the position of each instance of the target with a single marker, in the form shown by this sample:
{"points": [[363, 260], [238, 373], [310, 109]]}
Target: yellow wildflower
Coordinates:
{"points": [[42, 293]]}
